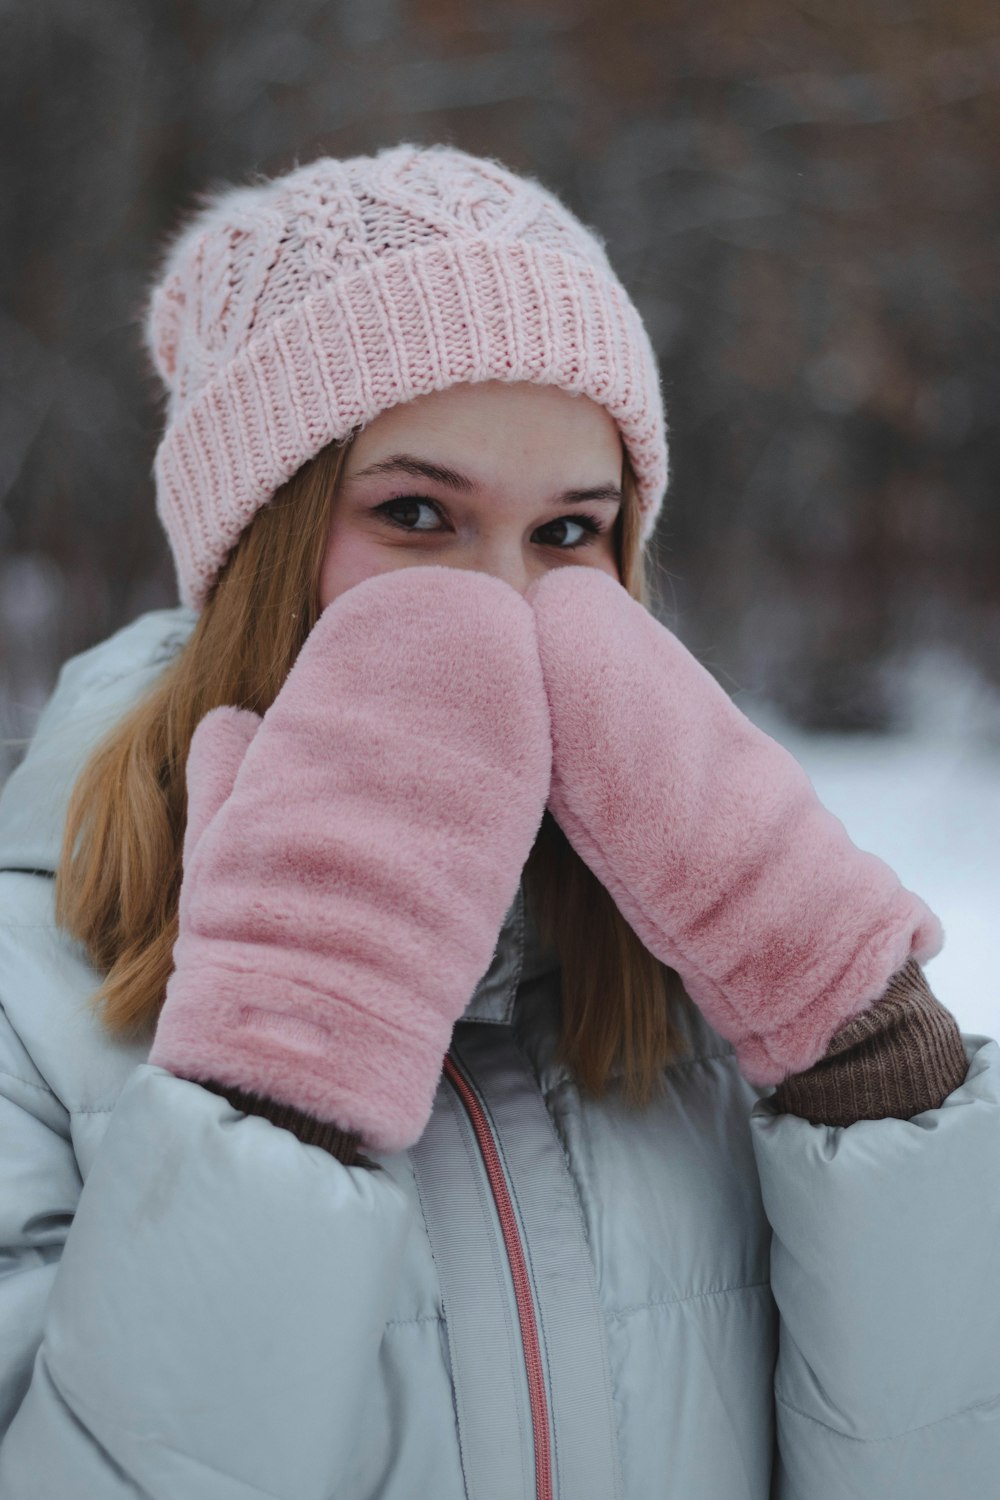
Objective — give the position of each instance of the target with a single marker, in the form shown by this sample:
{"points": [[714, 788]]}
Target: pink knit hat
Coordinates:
{"points": [[289, 312]]}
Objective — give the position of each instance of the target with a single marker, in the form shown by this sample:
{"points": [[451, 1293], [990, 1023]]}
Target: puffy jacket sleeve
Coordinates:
{"points": [[199, 1318], [885, 1268]]}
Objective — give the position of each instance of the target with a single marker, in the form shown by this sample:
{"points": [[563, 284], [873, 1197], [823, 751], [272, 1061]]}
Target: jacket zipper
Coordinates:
{"points": [[519, 1273]]}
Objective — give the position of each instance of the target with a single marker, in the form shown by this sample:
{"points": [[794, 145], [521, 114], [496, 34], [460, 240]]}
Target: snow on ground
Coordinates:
{"points": [[928, 802]]}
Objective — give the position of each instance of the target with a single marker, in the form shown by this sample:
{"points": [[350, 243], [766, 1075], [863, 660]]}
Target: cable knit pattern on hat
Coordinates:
{"points": [[290, 312]]}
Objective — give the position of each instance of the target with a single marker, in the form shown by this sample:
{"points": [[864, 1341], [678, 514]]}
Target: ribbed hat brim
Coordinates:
{"points": [[399, 327]]}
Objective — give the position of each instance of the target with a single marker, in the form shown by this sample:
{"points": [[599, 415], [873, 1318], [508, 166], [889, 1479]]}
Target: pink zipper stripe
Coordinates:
{"points": [[519, 1273]]}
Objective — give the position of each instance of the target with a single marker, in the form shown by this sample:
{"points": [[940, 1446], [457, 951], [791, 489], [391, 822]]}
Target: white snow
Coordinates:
{"points": [[928, 803]]}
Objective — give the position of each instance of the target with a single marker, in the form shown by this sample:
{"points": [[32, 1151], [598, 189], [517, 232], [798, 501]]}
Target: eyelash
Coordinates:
{"points": [[593, 526]]}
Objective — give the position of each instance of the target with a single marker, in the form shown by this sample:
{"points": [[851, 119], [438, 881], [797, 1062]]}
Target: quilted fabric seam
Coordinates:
{"points": [[722, 1291], [26, 1082], [894, 1436]]}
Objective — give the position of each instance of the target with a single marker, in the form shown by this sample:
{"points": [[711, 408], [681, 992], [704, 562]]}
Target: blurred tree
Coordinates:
{"points": [[801, 198]]}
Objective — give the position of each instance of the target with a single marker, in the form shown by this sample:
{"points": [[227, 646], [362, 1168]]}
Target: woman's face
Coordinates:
{"points": [[509, 479]]}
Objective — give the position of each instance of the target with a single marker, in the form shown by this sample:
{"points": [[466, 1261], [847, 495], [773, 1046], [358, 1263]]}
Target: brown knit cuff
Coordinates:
{"points": [[343, 1144], [901, 1056]]}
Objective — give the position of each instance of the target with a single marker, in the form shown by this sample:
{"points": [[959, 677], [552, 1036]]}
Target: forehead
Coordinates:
{"points": [[497, 424]]}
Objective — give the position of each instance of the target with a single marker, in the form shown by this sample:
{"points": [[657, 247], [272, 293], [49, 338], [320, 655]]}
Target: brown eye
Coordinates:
{"points": [[408, 504], [590, 525]]}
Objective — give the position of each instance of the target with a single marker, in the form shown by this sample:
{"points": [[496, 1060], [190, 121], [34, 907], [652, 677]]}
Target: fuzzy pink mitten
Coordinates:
{"points": [[350, 857], [709, 835]]}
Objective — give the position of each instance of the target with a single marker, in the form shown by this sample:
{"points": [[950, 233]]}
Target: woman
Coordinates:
{"points": [[448, 1050]]}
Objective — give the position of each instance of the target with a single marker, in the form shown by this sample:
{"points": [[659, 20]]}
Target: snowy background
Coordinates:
{"points": [[927, 802]]}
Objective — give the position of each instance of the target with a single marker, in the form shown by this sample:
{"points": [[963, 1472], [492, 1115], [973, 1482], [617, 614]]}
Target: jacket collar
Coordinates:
{"points": [[521, 954], [92, 691]]}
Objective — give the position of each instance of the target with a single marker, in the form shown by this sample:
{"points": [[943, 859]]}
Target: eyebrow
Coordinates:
{"points": [[420, 468]]}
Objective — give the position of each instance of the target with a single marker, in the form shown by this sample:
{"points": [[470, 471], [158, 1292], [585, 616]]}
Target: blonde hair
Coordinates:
{"points": [[119, 873]]}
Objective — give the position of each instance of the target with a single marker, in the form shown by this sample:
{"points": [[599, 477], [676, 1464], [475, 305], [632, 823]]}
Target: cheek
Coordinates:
{"points": [[350, 558]]}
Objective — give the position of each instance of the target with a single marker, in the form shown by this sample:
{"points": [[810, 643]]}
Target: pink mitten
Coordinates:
{"points": [[350, 857], [709, 835]]}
